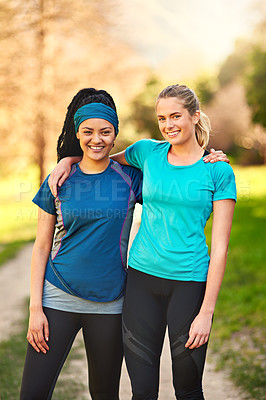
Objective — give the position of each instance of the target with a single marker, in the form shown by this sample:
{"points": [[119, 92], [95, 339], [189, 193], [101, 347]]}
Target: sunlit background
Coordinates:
{"points": [[134, 48]]}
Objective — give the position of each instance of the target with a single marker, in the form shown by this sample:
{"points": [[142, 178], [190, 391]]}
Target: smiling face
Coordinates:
{"points": [[175, 122], [96, 137]]}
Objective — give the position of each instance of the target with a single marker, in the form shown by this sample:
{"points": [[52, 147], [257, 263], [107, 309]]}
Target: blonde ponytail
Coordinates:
{"points": [[203, 129]]}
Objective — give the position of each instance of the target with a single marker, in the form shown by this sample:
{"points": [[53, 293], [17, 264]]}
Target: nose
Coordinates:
{"points": [[96, 138], [169, 123]]}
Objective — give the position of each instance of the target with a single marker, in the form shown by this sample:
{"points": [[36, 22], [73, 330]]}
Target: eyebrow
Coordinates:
{"points": [[91, 129], [174, 113]]}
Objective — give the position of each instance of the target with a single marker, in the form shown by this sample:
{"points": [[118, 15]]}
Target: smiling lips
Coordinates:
{"points": [[173, 134], [97, 148]]}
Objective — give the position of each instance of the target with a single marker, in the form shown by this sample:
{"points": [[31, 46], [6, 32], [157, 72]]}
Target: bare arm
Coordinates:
{"points": [[61, 172], [120, 158], [38, 331], [221, 227], [215, 155]]}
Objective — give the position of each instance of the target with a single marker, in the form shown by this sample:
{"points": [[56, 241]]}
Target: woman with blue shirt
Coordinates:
{"points": [[78, 269], [172, 281]]}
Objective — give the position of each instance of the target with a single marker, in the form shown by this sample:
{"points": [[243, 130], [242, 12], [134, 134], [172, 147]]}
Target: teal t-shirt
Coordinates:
{"points": [[177, 202]]}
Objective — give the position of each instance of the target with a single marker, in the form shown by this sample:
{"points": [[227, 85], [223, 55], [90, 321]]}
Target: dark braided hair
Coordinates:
{"points": [[68, 144]]}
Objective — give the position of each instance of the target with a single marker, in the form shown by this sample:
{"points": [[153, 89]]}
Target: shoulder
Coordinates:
{"points": [[126, 171], [73, 175], [153, 144], [223, 178], [220, 168], [149, 145]]}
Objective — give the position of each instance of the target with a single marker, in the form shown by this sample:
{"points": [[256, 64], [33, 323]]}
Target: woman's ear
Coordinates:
{"points": [[196, 117], [77, 134]]}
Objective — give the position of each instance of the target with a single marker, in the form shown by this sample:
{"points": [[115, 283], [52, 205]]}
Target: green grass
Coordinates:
{"points": [[10, 250], [12, 355], [238, 334]]}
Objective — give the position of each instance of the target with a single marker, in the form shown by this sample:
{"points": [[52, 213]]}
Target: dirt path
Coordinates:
{"points": [[15, 288]]}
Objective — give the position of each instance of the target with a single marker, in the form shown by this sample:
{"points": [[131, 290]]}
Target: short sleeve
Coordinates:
{"points": [[224, 182], [45, 199], [138, 152], [136, 180]]}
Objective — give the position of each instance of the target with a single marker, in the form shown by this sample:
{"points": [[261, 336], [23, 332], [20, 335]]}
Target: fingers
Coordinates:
{"points": [[196, 341], [31, 341], [212, 150], [52, 182], [57, 180], [46, 334], [37, 341], [215, 158], [62, 179], [197, 337], [216, 155]]}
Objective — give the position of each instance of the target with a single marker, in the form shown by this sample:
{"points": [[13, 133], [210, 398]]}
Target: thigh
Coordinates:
{"points": [[185, 302], [41, 370], [144, 324], [103, 340]]}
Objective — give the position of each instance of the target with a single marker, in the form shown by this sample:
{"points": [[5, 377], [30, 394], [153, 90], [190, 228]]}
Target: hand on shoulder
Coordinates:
{"points": [[216, 155]]}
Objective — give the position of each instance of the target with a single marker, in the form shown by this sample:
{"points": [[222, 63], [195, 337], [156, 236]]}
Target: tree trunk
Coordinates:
{"points": [[44, 50]]}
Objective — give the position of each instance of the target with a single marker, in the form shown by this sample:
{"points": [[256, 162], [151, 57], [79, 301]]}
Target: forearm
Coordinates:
{"points": [[120, 158], [72, 159], [222, 221], [38, 266], [214, 281]]}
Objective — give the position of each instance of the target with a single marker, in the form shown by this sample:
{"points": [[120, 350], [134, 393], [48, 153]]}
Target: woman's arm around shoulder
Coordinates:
{"points": [[136, 154], [120, 158], [61, 172]]}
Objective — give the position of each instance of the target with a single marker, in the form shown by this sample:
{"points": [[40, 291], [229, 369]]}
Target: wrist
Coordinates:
{"points": [[67, 161], [207, 311], [35, 307], [70, 160]]}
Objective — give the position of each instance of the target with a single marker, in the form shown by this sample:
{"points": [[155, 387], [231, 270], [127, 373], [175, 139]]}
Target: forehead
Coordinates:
{"points": [[169, 105], [96, 123]]}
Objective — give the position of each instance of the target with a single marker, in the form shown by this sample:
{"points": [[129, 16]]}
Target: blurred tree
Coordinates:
{"points": [[243, 126], [206, 87], [142, 113], [256, 85], [230, 117], [52, 49], [256, 97], [233, 67]]}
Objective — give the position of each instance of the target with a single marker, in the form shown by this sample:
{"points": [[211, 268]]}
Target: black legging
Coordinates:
{"points": [[150, 305], [103, 342]]}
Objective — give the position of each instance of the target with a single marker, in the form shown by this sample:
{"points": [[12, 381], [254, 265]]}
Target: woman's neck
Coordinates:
{"points": [[89, 166], [185, 155]]}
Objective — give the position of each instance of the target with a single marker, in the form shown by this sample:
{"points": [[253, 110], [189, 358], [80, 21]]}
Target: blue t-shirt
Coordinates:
{"points": [[93, 220], [177, 202]]}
